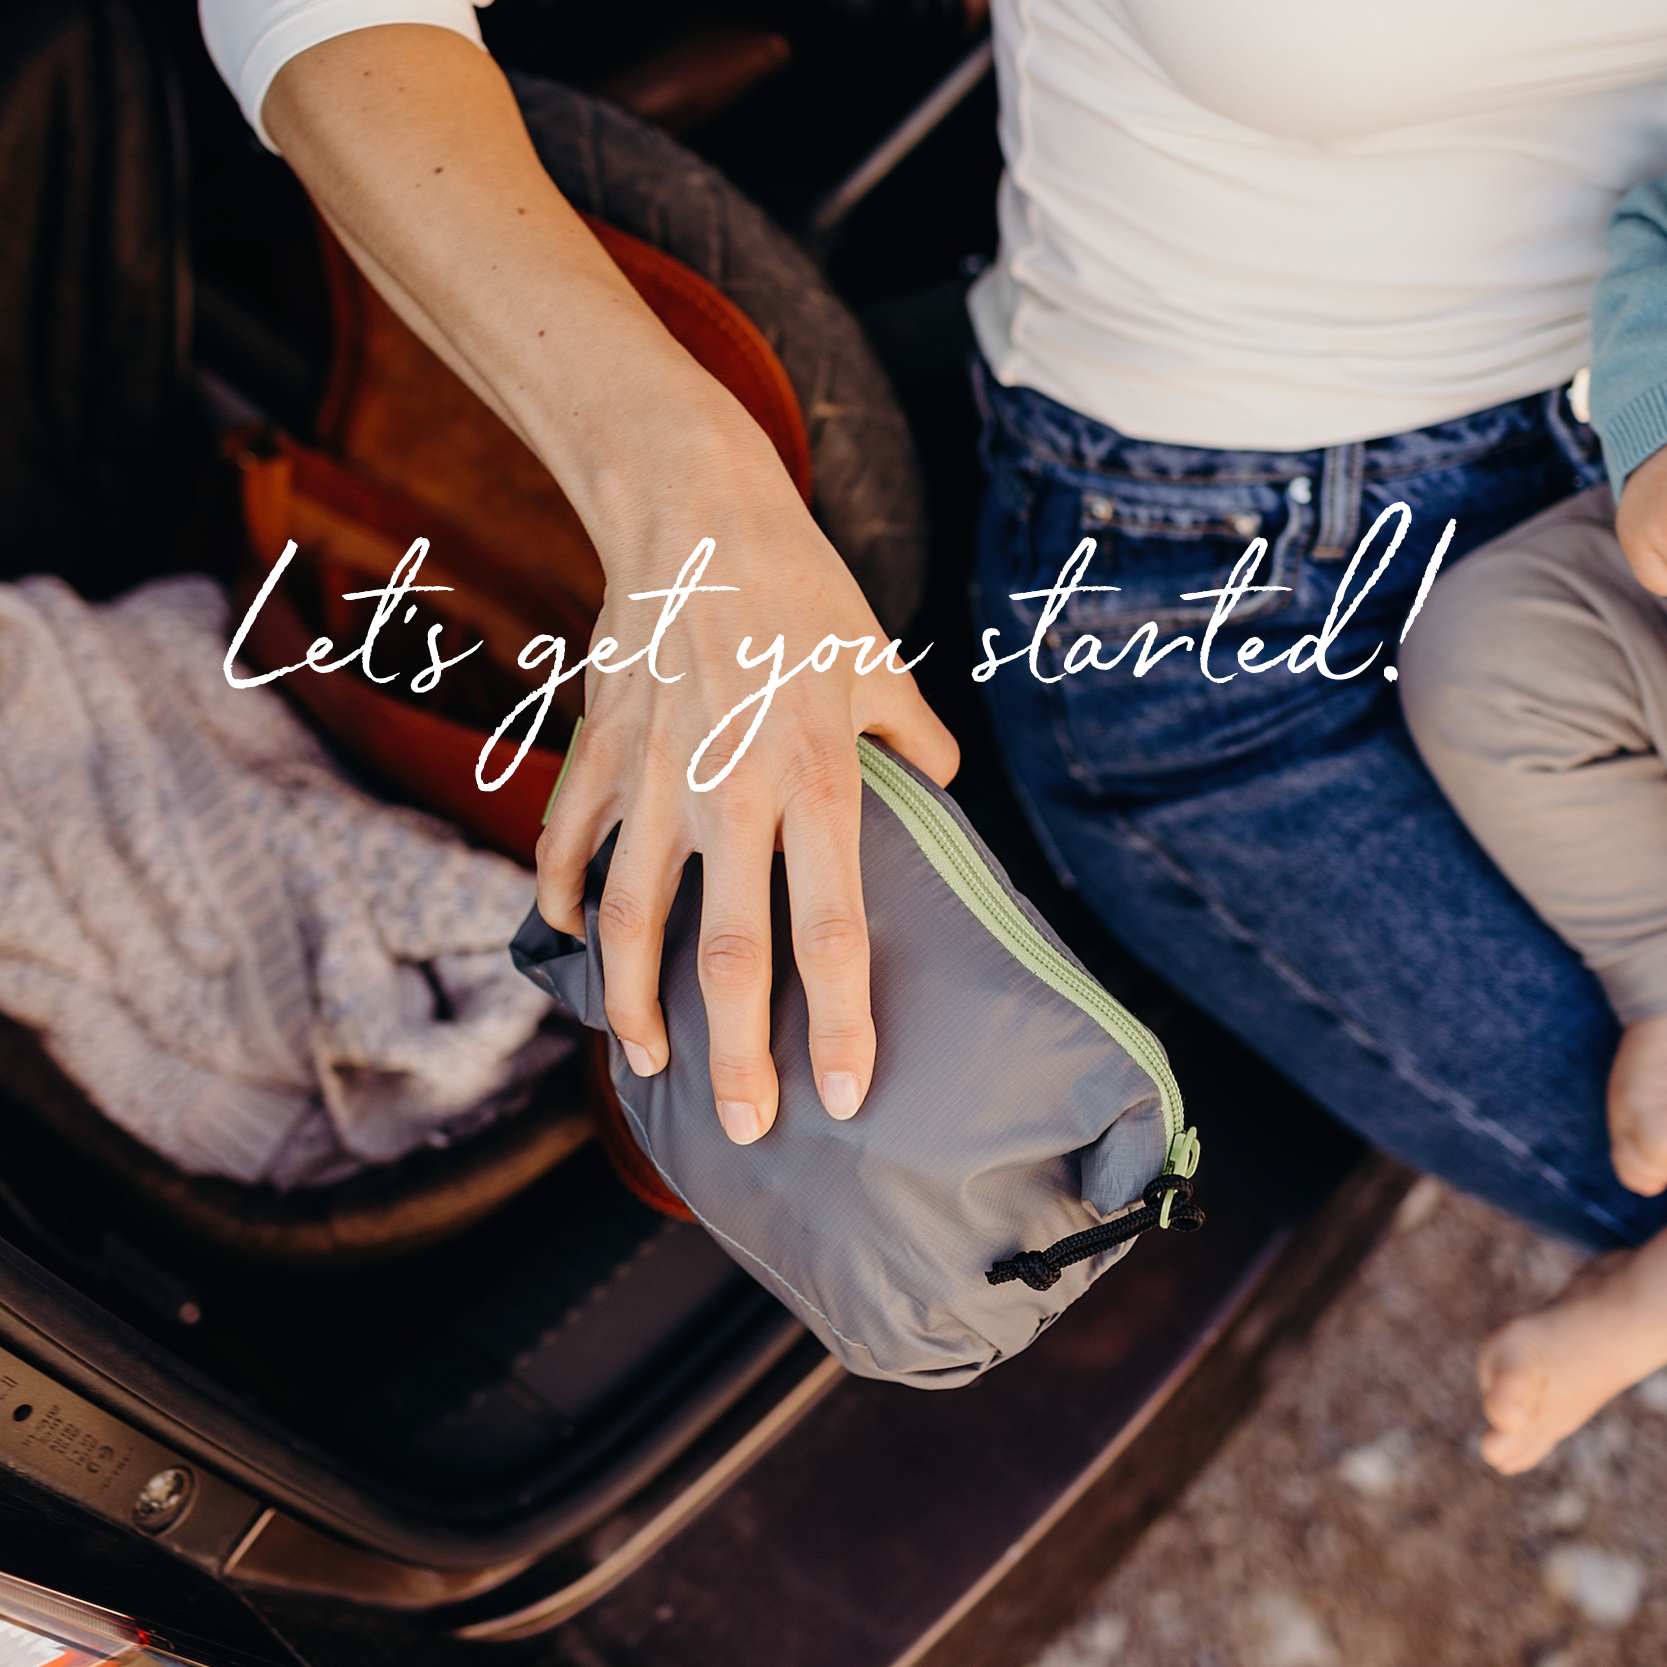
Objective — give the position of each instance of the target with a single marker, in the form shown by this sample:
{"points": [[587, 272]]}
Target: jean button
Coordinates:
{"points": [[1097, 509], [1247, 523], [1301, 490]]}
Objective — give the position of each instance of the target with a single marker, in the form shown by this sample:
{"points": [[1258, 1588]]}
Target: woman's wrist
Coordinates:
{"points": [[649, 492]]}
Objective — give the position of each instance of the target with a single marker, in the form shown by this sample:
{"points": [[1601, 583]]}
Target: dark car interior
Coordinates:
{"points": [[439, 1411]]}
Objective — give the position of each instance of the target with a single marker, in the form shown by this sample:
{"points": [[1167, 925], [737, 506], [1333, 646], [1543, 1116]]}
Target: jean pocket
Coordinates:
{"points": [[1160, 548]]}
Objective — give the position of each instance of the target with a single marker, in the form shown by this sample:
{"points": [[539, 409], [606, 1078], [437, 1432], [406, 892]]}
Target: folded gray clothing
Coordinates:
{"points": [[1021, 1126], [247, 963]]}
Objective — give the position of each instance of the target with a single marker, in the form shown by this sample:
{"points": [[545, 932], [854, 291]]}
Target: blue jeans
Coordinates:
{"points": [[1272, 844]]}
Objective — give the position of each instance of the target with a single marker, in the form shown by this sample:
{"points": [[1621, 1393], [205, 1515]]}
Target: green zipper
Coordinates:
{"points": [[946, 846], [561, 774]]}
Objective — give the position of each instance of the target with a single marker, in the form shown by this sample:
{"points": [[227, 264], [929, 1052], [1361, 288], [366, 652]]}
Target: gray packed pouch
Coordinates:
{"points": [[1020, 1130]]}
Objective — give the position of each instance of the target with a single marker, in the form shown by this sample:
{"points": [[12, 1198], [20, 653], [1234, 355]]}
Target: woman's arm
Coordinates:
{"points": [[411, 144], [1629, 377]]}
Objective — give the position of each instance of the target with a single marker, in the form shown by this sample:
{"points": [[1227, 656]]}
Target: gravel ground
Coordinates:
{"points": [[1350, 1523]]}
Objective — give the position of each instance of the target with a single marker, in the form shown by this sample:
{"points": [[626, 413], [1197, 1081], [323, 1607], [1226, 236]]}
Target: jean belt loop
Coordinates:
{"points": [[1339, 501]]}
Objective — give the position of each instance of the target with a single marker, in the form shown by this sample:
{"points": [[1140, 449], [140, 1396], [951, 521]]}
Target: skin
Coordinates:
{"points": [[1544, 1375], [410, 143], [1641, 522]]}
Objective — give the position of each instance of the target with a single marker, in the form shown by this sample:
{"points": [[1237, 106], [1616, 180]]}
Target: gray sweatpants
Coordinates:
{"points": [[1535, 684]]}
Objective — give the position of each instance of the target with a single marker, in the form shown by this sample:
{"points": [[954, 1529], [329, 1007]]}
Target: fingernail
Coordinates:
{"points": [[741, 1121], [841, 1093], [638, 1058]]}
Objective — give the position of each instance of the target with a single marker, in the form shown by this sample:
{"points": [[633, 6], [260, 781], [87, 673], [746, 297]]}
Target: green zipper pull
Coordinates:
{"points": [[1182, 1158], [1182, 1161]]}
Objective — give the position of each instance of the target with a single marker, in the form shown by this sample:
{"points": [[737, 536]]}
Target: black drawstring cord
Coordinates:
{"points": [[1039, 1269]]}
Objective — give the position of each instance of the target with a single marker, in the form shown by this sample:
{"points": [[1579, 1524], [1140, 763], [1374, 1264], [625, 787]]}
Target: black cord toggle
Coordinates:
{"points": [[1167, 1203]]}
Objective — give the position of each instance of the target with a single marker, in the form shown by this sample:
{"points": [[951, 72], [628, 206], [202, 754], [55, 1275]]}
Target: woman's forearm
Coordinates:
{"points": [[409, 140]]}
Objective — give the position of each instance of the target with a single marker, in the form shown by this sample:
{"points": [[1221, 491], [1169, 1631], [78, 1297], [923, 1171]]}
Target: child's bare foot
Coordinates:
{"points": [[1638, 1107], [1543, 1376]]}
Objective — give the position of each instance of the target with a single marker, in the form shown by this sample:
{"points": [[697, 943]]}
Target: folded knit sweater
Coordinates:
{"points": [[252, 966]]}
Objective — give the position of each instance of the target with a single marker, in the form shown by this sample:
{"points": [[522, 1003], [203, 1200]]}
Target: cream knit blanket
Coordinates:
{"points": [[250, 965]]}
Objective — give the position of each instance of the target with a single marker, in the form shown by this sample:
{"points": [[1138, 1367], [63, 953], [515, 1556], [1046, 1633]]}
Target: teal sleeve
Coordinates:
{"points": [[1629, 334]]}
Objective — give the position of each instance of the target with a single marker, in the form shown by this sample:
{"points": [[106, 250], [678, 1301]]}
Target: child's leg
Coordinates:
{"points": [[1537, 693], [1535, 685]]}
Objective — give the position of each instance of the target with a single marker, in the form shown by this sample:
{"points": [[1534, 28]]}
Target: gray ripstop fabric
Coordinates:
{"points": [[1002, 1117]]}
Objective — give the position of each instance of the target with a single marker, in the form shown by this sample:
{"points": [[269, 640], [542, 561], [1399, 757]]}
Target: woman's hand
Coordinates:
{"points": [[1641, 522], [797, 787], [409, 140]]}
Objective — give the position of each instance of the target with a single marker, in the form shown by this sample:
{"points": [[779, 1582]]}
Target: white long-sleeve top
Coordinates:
{"points": [[1279, 225]]}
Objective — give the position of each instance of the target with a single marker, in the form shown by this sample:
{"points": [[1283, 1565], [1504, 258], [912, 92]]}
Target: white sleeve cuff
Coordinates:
{"points": [[251, 40]]}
